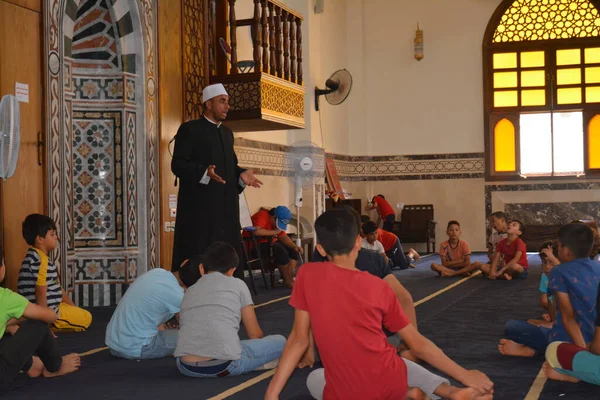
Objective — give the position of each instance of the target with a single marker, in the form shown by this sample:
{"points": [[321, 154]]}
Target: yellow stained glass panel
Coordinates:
{"points": [[533, 78], [570, 76], [592, 94], [533, 97], [594, 142], [505, 60], [505, 79], [532, 59], [528, 20], [569, 96], [568, 57], [592, 55], [592, 75], [505, 158], [505, 98]]}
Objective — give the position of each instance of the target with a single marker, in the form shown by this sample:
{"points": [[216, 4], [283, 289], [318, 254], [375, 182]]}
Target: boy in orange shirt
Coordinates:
{"points": [[454, 253]]}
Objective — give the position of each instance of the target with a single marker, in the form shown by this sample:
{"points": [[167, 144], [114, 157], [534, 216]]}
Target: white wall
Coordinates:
{"points": [[411, 107]]}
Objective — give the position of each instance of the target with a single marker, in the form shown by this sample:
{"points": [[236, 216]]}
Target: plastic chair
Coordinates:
{"points": [[244, 66]]}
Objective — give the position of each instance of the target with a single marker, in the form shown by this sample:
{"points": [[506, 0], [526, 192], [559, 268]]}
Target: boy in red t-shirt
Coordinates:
{"points": [[513, 251], [455, 254], [385, 211], [336, 297], [271, 223]]}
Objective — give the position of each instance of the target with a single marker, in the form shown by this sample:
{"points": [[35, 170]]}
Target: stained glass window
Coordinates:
{"points": [[547, 19]]}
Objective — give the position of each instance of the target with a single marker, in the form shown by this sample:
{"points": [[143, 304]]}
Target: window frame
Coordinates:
{"points": [[492, 116]]}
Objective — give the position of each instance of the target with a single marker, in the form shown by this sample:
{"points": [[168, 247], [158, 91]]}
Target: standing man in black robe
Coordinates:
{"points": [[210, 182]]}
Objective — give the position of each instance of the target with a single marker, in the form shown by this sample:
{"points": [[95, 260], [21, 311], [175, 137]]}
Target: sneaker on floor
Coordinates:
{"points": [[269, 365]]}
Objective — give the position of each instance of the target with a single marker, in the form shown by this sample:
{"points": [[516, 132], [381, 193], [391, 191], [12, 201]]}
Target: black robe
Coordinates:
{"points": [[205, 213]]}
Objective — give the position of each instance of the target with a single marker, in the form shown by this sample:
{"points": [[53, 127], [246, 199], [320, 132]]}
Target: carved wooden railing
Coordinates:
{"points": [[269, 95], [276, 38]]}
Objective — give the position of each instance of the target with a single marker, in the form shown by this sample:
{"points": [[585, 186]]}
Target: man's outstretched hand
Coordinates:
{"points": [[212, 175], [250, 179]]}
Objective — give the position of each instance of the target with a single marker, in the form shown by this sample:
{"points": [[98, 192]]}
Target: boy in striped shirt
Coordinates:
{"points": [[38, 279]]}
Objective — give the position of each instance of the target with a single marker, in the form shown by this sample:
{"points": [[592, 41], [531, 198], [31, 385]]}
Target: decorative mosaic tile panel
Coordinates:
{"points": [[97, 179], [101, 269], [132, 186], [98, 88]]}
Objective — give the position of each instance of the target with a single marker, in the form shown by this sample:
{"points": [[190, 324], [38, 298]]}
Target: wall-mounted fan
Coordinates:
{"points": [[305, 166], [338, 88], [10, 135]]}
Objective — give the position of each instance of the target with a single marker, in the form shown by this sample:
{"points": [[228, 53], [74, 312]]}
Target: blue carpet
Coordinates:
{"points": [[466, 322]]}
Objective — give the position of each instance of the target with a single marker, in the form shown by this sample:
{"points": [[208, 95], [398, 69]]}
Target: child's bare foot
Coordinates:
{"points": [[37, 367], [506, 276], [468, 394], [416, 394], [509, 348], [437, 268], [551, 373], [70, 363], [413, 254], [448, 274]]}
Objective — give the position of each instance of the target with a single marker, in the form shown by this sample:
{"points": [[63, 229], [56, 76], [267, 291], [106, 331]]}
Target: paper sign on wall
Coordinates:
{"points": [[22, 92], [172, 200]]}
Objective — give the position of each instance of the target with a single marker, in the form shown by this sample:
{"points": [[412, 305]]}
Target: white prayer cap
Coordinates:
{"points": [[211, 91]]}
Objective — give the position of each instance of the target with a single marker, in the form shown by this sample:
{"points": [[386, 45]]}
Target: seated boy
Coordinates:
{"points": [[499, 225], [393, 248], [548, 255], [336, 297], [271, 223], [30, 335], [138, 328], [208, 343], [370, 242], [455, 254], [514, 253], [570, 363], [38, 278], [574, 286]]}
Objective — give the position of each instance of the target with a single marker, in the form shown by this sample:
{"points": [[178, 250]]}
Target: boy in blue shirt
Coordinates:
{"points": [[549, 256], [574, 286], [138, 328]]}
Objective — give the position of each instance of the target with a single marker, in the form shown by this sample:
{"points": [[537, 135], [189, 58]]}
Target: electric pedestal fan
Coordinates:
{"points": [[304, 166], [10, 135]]}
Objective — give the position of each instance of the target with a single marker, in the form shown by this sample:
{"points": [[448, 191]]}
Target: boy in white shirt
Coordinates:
{"points": [[370, 242]]}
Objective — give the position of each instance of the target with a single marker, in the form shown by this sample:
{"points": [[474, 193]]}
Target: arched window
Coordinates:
{"points": [[541, 65]]}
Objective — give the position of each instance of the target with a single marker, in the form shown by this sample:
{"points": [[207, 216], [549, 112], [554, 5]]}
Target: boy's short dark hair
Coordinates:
{"points": [[521, 225], [364, 219], [578, 238], [548, 243], [189, 273], [369, 227], [220, 257], [499, 215], [36, 225], [337, 230], [453, 222], [378, 195]]}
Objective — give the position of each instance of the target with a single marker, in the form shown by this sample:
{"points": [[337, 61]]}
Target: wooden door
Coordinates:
{"points": [[20, 61]]}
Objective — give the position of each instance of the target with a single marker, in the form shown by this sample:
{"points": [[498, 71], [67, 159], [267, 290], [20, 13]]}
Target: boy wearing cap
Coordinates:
{"points": [[210, 181], [274, 222]]}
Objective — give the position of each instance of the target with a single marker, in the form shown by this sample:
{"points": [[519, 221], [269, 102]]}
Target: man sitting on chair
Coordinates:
{"points": [[271, 223]]}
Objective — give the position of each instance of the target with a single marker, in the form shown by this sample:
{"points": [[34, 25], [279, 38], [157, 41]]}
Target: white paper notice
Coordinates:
{"points": [[172, 200], [22, 92]]}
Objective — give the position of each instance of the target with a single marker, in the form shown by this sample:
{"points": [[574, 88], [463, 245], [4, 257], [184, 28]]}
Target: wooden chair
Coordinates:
{"points": [[417, 225]]}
